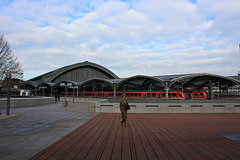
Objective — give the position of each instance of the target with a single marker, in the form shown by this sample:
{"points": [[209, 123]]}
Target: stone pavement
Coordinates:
{"points": [[151, 136], [56, 132], [29, 130]]}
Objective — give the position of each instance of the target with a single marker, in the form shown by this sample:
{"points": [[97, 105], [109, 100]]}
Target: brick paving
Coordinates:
{"points": [[150, 136]]}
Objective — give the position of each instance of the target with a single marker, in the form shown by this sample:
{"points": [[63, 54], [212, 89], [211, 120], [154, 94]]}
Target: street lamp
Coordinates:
{"points": [[9, 93], [77, 90], [73, 88], [65, 85], [9, 75], [150, 87]]}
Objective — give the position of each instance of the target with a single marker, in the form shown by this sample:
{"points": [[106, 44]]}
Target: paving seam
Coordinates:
{"points": [[117, 146], [107, 137], [154, 126], [89, 137], [224, 142], [125, 143], [108, 151], [25, 132], [139, 148], [207, 148], [161, 147], [210, 147], [193, 144], [132, 144], [167, 135], [100, 142], [57, 143], [202, 141], [70, 137], [122, 145], [145, 135], [138, 132], [74, 137]]}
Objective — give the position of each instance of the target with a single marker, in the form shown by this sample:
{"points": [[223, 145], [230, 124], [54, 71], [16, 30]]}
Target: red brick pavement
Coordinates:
{"points": [[150, 136]]}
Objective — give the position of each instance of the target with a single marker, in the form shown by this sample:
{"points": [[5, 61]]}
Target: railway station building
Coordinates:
{"points": [[93, 80]]}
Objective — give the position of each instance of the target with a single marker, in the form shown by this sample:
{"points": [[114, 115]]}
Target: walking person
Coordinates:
{"points": [[123, 109]]}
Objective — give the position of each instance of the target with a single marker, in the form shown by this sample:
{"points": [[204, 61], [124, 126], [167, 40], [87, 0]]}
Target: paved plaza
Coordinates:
{"points": [[54, 132], [150, 136], [29, 130]]}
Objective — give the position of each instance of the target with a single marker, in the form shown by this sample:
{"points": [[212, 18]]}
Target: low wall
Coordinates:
{"points": [[26, 102], [169, 107], [79, 99]]}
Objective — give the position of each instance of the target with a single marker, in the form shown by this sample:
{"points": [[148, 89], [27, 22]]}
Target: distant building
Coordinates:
{"points": [[93, 80], [15, 87]]}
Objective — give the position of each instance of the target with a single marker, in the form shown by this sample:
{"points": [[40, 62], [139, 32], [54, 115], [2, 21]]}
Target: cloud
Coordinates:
{"points": [[151, 37]]}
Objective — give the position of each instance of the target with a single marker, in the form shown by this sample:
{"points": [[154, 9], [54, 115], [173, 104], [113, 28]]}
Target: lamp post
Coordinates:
{"points": [[73, 87], [150, 87], [73, 92], [77, 90], [9, 94], [70, 86], [65, 97], [65, 88]]}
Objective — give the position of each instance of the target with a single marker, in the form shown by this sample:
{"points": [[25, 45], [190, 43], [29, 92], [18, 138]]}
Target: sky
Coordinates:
{"points": [[135, 37]]}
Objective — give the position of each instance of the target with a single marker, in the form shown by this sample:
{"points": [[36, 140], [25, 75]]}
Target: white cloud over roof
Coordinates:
{"points": [[147, 37]]}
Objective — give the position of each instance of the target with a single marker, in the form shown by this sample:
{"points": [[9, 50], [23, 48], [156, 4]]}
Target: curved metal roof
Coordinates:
{"points": [[98, 79], [50, 76], [141, 80], [169, 78], [97, 84], [198, 80], [46, 84], [83, 64], [140, 76], [103, 77], [32, 83]]}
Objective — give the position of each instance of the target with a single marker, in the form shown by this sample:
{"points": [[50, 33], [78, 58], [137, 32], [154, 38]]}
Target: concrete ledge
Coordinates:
{"points": [[79, 99], [26, 102], [169, 107]]}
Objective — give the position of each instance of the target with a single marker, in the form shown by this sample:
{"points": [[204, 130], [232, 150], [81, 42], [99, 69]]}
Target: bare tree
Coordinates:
{"points": [[8, 62]]}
